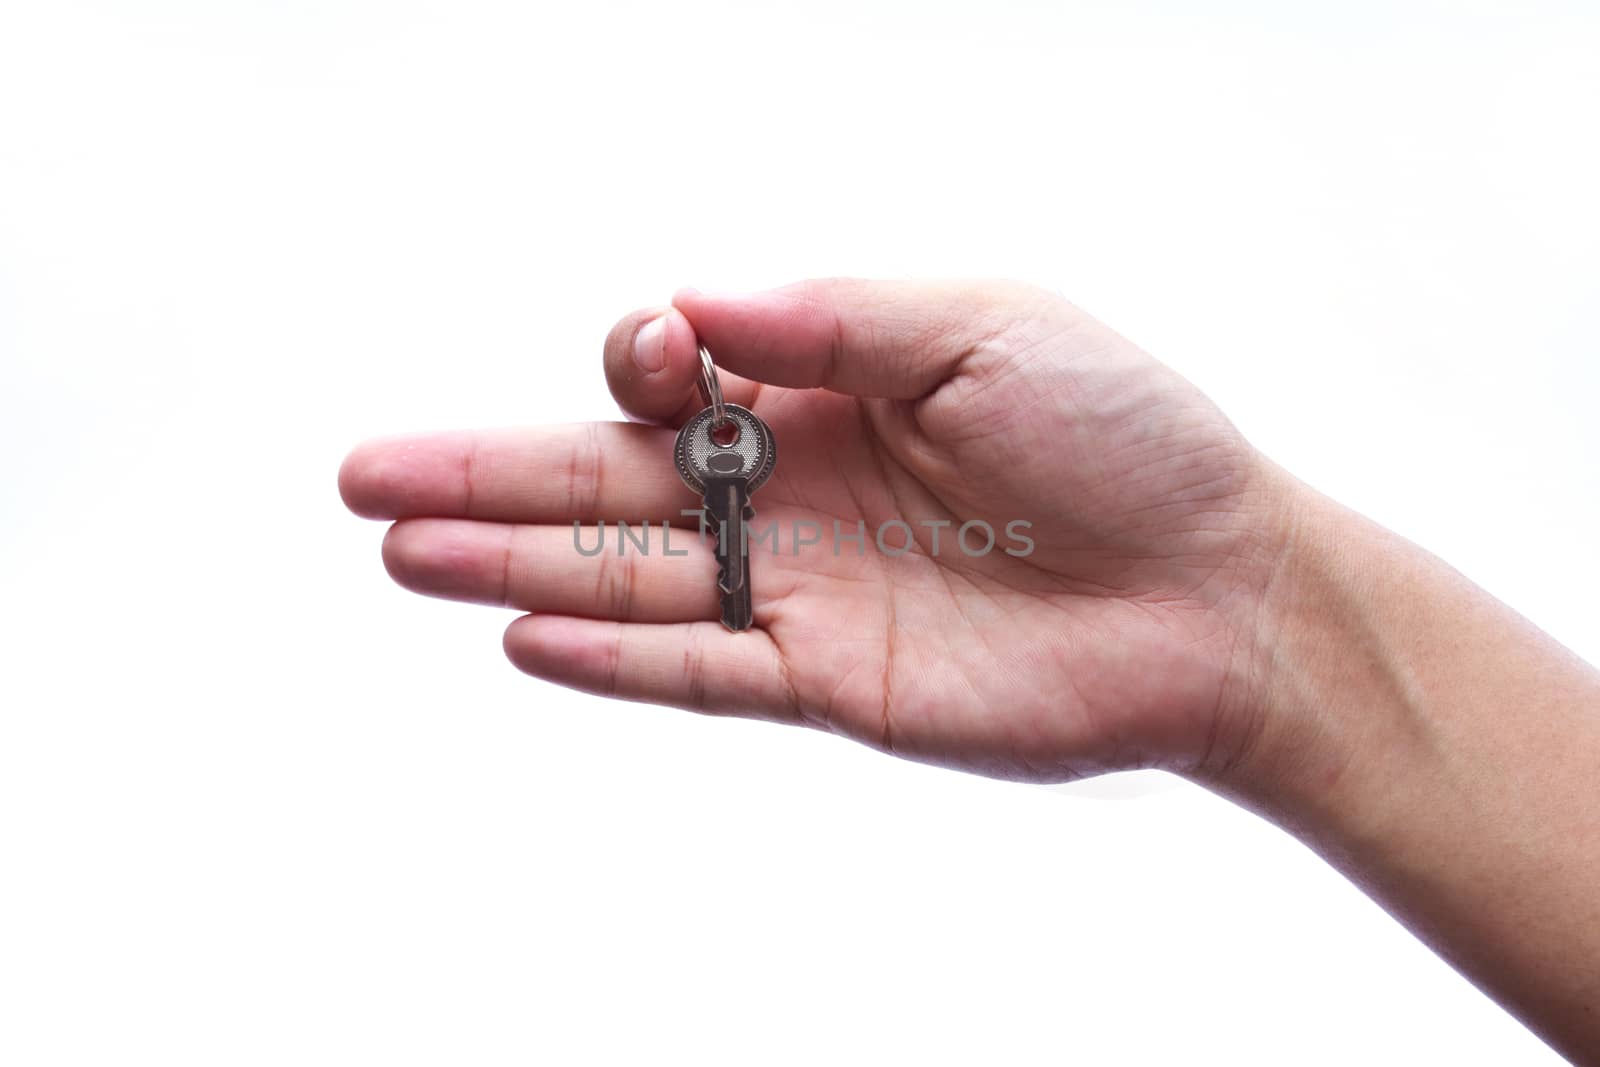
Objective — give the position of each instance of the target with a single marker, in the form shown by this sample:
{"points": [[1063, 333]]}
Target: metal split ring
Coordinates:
{"points": [[711, 390]]}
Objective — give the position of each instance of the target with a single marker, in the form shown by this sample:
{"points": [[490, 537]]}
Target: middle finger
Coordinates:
{"points": [[554, 570]]}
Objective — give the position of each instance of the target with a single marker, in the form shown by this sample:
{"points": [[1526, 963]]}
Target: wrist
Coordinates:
{"points": [[1321, 682], [1434, 746]]}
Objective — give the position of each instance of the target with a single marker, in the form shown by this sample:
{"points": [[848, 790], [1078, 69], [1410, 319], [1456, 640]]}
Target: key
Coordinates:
{"points": [[725, 466]]}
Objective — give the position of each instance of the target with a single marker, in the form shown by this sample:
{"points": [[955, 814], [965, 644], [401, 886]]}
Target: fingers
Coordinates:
{"points": [[548, 569], [613, 625], [699, 666], [886, 339], [652, 364], [585, 472]]}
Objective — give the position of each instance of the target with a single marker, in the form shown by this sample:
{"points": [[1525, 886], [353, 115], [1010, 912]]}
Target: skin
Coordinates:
{"points": [[1186, 604]]}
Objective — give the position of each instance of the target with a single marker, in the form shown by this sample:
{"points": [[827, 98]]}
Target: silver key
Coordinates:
{"points": [[725, 474]]}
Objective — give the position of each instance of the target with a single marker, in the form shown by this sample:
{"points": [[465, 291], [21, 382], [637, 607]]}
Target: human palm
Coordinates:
{"points": [[1089, 616]]}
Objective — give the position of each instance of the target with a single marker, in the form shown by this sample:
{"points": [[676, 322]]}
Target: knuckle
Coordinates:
{"points": [[615, 583], [694, 668], [583, 476]]}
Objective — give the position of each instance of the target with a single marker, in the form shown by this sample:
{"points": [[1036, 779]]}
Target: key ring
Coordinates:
{"points": [[711, 390]]}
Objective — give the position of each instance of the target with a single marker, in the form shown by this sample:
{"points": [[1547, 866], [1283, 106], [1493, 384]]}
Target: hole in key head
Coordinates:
{"points": [[726, 435]]}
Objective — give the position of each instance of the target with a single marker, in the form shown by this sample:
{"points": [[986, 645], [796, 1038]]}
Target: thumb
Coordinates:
{"points": [[887, 339]]}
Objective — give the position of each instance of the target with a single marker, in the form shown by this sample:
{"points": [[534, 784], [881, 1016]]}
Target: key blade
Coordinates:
{"points": [[725, 503], [726, 499], [737, 614], [735, 552]]}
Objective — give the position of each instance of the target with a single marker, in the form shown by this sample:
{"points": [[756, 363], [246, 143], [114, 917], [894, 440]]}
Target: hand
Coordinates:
{"points": [[1124, 638], [1186, 603]]}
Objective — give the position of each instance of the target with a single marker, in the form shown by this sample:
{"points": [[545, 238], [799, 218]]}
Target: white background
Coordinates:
{"points": [[259, 806]]}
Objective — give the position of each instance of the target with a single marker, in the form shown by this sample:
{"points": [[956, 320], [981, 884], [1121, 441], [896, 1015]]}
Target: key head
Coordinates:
{"points": [[750, 456]]}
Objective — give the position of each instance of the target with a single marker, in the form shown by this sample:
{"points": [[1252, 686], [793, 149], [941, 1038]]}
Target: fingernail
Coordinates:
{"points": [[650, 345]]}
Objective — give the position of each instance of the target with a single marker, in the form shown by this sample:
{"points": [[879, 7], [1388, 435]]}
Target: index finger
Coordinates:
{"points": [[586, 472], [899, 339]]}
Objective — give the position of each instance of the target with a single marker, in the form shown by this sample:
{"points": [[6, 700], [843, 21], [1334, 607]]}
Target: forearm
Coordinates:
{"points": [[1441, 751]]}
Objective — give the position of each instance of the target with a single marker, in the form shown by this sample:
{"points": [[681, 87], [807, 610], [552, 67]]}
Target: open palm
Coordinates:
{"points": [[999, 536]]}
